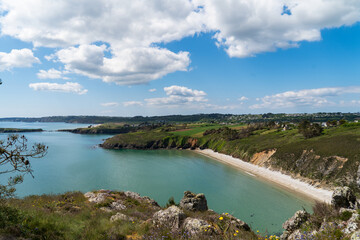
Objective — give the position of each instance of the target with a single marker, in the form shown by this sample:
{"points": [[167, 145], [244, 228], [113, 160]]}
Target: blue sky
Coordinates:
{"points": [[178, 57]]}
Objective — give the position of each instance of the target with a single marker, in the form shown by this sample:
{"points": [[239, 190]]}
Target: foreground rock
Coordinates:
{"points": [[343, 197], [293, 224], [190, 220], [237, 223], [195, 226], [120, 216], [194, 202], [171, 217]]}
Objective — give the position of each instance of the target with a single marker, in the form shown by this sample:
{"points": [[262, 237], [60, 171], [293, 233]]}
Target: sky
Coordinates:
{"points": [[161, 57]]}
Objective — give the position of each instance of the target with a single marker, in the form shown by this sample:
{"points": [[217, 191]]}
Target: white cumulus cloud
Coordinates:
{"points": [[132, 103], [17, 58], [243, 98], [308, 97], [178, 95], [131, 30], [50, 74], [128, 66], [110, 104], [69, 87], [152, 90], [247, 27]]}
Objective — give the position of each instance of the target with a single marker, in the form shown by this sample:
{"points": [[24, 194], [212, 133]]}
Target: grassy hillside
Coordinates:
{"points": [[71, 216], [332, 158]]}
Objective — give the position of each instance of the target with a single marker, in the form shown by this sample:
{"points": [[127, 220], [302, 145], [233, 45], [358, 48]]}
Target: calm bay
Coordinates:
{"points": [[75, 163]]}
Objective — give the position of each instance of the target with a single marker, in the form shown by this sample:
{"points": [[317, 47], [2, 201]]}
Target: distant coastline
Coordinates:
{"points": [[19, 130], [283, 180]]}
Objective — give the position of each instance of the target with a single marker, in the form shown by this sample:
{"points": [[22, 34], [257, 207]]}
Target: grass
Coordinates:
{"points": [[71, 216], [196, 130]]}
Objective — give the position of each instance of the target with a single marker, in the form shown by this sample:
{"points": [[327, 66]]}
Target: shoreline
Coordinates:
{"points": [[280, 179]]}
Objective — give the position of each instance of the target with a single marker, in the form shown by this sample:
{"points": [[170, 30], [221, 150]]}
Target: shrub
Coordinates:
{"points": [[171, 202], [346, 215], [309, 130]]}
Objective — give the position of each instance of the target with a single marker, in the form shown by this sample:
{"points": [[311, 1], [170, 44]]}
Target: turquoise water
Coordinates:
{"points": [[74, 162]]}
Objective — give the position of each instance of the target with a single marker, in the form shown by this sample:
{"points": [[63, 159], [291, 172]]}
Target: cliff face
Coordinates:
{"points": [[165, 143], [328, 170]]}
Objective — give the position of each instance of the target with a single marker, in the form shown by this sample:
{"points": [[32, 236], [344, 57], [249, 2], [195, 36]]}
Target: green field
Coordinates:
{"points": [[196, 130]]}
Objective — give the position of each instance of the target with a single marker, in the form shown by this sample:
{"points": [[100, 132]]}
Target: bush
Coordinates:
{"points": [[8, 216], [323, 210], [171, 202], [346, 215], [309, 130]]}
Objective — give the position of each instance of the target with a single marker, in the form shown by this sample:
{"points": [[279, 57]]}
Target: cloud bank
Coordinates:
{"points": [[117, 40], [309, 97]]}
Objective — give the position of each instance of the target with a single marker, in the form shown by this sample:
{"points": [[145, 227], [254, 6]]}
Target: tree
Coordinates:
{"points": [[342, 121], [309, 130], [14, 159]]}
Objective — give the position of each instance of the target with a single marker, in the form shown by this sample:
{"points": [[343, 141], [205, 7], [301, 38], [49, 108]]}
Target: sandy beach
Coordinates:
{"points": [[276, 177]]}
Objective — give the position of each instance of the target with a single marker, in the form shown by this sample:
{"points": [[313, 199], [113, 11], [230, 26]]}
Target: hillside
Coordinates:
{"points": [[107, 214], [331, 159]]}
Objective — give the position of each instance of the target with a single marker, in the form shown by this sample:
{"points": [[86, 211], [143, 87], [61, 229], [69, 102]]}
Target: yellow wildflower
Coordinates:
{"points": [[221, 218]]}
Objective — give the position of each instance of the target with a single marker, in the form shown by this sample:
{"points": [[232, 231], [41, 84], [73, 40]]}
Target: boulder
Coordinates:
{"points": [[171, 217], [343, 197], [137, 196], [296, 235], [194, 226], [133, 195], [120, 216], [285, 235], [352, 225], [96, 197], [237, 223], [118, 205], [194, 202], [296, 221]]}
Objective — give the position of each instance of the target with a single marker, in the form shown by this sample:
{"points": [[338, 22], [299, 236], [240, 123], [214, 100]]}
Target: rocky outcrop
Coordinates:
{"points": [[293, 224], [97, 197], [194, 226], [343, 197], [120, 216], [145, 199], [352, 223], [237, 223], [194, 202], [171, 217], [118, 205], [261, 158], [295, 221]]}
